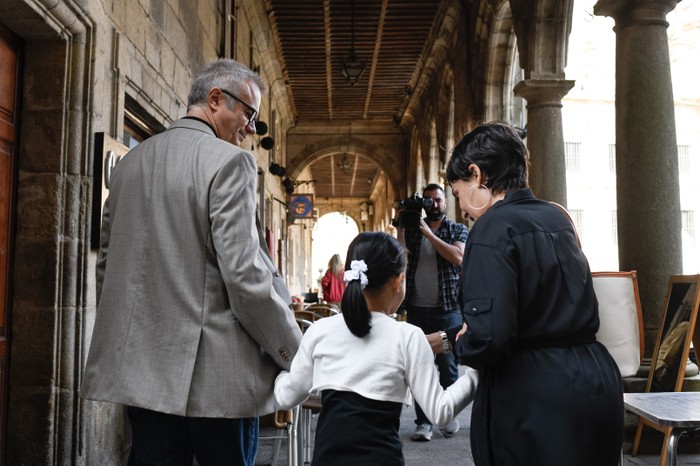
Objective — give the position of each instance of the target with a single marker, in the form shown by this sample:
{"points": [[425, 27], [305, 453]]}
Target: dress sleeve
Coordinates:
{"points": [[489, 306], [440, 405]]}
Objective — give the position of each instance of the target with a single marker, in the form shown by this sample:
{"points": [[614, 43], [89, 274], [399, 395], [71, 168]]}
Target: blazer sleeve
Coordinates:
{"points": [[101, 263], [251, 285]]}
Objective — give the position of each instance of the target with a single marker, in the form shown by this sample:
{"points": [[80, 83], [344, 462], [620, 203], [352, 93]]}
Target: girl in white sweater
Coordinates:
{"points": [[366, 365]]}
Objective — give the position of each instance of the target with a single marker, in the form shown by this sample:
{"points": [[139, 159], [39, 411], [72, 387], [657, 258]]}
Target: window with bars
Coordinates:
{"points": [[688, 222], [612, 158], [577, 217], [685, 164], [572, 152]]}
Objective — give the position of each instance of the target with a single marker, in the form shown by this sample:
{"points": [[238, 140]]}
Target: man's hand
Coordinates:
{"points": [[450, 252], [425, 229]]}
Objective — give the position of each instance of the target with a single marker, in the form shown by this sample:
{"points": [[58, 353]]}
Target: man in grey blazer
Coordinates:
{"points": [[193, 320]]}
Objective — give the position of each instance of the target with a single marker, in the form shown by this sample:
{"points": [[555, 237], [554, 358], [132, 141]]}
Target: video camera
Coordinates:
{"points": [[410, 215]]}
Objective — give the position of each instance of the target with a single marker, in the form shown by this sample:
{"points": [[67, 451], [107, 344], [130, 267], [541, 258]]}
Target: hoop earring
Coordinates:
{"points": [[466, 198]]}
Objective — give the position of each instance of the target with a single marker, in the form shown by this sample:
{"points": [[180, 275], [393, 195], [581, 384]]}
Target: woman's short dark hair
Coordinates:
{"points": [[385, 259], [498, 151]]}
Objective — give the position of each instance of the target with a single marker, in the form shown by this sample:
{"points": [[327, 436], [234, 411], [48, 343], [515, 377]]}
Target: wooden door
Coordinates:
{"points": [[9, 125]]}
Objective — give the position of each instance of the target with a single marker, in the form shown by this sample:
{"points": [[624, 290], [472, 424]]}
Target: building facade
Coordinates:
{"points": [[82, 81]]}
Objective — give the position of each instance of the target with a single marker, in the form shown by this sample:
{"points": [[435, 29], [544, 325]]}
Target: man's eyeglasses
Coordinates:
{"points": [[253, 116]]}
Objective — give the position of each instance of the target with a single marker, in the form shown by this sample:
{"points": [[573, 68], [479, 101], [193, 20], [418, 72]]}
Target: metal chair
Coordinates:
{"points": [[285, 423]]}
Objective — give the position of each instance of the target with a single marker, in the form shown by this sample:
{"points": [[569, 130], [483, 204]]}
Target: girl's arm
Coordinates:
{"points": [[440, 405], [292, 387]]}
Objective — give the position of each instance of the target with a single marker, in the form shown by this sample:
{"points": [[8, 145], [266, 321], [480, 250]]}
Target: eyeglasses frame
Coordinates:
{"points": [[254, 115]]}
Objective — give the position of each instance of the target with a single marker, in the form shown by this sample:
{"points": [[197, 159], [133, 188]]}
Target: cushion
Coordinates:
{"points": [[621, 329]]}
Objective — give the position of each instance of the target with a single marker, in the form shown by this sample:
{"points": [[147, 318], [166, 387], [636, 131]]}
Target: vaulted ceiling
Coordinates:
{"points": [[391, 37]]}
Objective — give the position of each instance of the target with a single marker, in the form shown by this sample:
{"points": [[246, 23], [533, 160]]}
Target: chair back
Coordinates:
{"points": [[621, 322], [322, 310]]}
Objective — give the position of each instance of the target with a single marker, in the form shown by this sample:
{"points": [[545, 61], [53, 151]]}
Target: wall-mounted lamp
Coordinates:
{"points": [[277, 169], [260, 128], [288, 185], [267, 143], [364, 212]]}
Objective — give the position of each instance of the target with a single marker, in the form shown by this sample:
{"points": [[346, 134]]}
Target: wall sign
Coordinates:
{"points": [[301, 205]]}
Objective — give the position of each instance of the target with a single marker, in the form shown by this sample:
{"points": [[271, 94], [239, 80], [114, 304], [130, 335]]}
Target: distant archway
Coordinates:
{"points": [[332, 234]]}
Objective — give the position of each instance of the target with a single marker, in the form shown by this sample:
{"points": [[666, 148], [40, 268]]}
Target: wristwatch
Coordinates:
{"points": [[446, 348]]}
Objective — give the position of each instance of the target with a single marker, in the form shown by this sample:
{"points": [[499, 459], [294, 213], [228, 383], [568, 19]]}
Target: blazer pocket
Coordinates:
{"points": [[479, 318]]}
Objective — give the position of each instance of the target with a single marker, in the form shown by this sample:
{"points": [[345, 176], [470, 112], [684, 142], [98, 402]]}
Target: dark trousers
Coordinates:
{"points": [[431, 320], [159, 439]]}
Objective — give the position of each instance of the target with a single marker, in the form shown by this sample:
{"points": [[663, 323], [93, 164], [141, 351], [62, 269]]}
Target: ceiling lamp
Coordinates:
{"points": [[345, 165], [351, 67]]}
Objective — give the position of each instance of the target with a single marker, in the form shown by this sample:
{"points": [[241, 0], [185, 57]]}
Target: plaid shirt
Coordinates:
{"points": [[448, 273]]}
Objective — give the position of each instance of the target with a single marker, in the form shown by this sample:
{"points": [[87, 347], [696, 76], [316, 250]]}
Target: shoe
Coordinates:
{"points": [[423, 433], [450, 429]]}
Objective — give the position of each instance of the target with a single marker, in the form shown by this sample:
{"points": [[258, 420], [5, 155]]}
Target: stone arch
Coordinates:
{"points": [[446, 120], [326, 146], [503, 70], [432, 168], [416, 175], [542, 28]]}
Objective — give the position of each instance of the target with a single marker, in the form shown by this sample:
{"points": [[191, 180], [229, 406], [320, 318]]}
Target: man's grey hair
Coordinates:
{"points": [[223, 73]]}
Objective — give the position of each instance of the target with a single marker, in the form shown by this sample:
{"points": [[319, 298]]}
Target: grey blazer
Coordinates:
{"points": [[192, 316]]}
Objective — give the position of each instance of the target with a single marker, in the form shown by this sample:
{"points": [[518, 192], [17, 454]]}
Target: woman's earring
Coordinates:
{"points": [[466, 198]]}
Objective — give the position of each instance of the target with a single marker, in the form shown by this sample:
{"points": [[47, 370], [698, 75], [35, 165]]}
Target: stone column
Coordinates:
{"points": [[545, 136], [648, 193]]}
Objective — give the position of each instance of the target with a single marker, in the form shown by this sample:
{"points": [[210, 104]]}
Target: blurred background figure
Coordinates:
{"points": [[332, 283]]}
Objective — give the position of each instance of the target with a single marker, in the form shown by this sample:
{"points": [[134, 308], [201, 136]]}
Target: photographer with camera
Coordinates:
{"points": [[434, 245]]}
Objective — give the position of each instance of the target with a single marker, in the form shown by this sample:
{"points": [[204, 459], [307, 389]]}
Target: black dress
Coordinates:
{"points": [[353, 430], [549, 394]]}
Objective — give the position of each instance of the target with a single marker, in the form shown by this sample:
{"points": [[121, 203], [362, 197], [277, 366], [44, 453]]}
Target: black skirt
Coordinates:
{"points": [[355, 430]]}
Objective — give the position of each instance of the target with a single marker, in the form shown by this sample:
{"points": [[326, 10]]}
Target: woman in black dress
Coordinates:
{"points": [[549, 393]]}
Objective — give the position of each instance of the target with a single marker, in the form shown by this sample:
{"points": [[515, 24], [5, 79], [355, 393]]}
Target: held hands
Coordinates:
{"points": [[435, 340]]}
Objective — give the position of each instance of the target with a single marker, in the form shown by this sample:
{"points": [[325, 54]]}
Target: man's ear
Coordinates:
{"points": [[215, 99]]}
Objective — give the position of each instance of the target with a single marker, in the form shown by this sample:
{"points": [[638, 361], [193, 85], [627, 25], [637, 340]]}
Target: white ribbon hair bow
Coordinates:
{"points": [[357, 272]]}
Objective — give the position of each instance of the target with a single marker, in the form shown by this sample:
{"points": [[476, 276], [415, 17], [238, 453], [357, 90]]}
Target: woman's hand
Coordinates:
{"points": [[461, 332]]}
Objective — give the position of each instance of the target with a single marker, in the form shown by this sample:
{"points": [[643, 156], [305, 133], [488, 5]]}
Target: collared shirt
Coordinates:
{"points": [[448, 273]]}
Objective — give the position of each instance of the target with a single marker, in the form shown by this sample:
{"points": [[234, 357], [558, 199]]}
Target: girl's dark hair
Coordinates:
{"points": [[498, 151], [385, 259]]}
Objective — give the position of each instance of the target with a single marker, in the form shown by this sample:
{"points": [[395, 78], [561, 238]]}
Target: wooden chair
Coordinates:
{"points": [[322, 310], [306, 314]]}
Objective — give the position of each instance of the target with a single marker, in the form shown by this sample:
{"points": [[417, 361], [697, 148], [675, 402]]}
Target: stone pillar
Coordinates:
{"points": [[545, 136], [648, 193]]}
